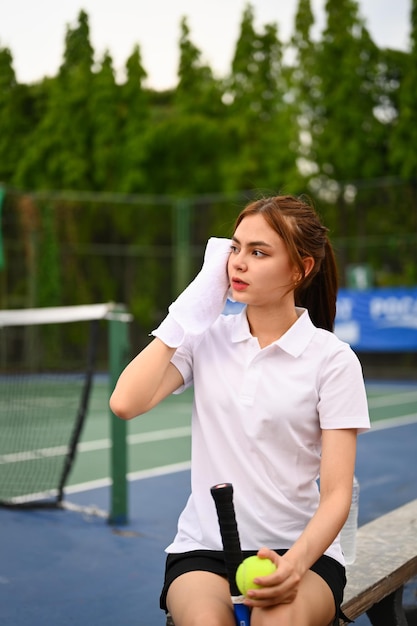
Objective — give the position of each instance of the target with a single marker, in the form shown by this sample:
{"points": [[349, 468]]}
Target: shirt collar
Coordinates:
{"points": [[294, 341], [240, 328], [297, 338]]}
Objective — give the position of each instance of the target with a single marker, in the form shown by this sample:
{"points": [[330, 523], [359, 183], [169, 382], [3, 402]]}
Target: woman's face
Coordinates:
{"points": [[259, 267]]}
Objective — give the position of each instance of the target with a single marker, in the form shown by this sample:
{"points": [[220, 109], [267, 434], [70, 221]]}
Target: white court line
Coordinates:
{"points": [[99, 444], [180, 467], [185, 431], [393, 399], [160, 471], [100, 483], [392, 422], [140, 475], [186, 465]]}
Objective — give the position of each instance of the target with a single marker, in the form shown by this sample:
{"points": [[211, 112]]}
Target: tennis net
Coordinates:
{"points": [[47, 363]]}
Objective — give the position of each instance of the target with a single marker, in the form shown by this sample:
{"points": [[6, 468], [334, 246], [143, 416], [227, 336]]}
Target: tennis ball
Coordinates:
{"points": [[251, 568]]}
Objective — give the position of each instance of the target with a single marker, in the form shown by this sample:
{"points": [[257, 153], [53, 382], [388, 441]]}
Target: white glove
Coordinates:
{"points": [[201, 303]]}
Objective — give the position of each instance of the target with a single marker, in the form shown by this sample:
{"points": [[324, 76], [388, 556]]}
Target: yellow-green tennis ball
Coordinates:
{"points": [[251, 568]]}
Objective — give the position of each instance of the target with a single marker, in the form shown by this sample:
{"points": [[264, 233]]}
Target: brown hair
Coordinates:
{"points": [[297, 223]]}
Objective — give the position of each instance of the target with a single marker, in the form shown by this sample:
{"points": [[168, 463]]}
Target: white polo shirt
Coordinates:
{"points": [[256, 423]]}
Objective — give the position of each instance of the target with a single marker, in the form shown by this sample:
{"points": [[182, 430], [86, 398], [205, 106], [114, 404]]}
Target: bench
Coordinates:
{"points": [[386, 558]]}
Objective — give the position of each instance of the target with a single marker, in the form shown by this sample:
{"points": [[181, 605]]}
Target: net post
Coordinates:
{"points": [[118, 358]]}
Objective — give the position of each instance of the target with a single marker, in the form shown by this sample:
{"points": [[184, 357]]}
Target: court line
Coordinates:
{"points": [[186, 465], [160, 471], [392, 422], [99, 444], [172, 468], [394, 399], [185, 431]]}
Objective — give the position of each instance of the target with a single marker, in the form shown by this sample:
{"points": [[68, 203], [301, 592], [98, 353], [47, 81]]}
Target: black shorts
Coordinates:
{"points": [[212, 561]]}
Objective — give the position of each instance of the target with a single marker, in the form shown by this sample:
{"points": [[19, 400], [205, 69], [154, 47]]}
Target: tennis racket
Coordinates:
{"points": [[223, 498]]}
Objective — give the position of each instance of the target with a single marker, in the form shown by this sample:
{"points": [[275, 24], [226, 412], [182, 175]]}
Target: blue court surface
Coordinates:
{"points": [[62, 567]]}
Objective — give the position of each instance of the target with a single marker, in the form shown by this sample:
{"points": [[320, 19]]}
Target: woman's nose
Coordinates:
{"points": [[238, 262]]}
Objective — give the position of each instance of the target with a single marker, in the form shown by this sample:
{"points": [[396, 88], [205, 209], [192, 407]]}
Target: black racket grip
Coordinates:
{"points": [[223, 498]]}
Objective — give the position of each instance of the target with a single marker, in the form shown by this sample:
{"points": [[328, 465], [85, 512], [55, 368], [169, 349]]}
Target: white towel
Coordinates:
{"points": [[201, 303]]}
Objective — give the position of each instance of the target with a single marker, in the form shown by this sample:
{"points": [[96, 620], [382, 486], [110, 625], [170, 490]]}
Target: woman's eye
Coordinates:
{"points": [[233, 249], [258, 253]]}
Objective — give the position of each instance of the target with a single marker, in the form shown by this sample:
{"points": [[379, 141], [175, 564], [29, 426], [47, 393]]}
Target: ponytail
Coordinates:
{"points": [[319, 295]]}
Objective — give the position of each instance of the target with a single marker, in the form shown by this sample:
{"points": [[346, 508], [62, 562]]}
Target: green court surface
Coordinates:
{"points": [[159, 441]]}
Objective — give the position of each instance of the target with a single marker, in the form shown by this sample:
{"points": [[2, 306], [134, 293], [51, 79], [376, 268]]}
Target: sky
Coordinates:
{"points": [[34, 31]]}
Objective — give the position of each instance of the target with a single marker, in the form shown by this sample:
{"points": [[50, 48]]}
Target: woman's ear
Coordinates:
{"points": [[308, 262]]}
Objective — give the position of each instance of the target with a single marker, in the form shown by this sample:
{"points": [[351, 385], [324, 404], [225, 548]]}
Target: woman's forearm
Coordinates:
{"points": [[146, 380], [321, 530]]}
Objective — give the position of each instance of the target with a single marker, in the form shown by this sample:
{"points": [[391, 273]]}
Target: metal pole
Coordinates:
{"points": [[119, 355]]}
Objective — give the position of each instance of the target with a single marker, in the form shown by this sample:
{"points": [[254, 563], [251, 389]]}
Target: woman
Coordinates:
{"points": [[278, 403]]}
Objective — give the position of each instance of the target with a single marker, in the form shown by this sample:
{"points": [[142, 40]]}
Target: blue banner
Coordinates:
{"points": [[377, 320]]}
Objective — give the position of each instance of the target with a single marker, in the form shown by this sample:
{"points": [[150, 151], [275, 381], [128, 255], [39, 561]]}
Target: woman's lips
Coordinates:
{"points": [[238, 285]]}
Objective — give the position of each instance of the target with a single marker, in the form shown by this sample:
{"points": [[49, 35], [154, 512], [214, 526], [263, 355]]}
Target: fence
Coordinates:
{"points": [[65, 248]]}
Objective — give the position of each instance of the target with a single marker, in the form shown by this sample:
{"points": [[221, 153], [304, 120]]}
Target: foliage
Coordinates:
{"points": [[334, 116], [403, 154]]}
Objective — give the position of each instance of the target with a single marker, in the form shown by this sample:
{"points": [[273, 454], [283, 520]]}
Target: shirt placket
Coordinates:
{"points": [[252, 375]]}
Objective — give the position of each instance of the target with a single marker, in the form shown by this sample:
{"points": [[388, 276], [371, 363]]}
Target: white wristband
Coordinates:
{"points": [[169, 332]]}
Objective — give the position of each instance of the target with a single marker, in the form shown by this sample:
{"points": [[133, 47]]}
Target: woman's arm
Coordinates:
{"points": [[149, 378], [336, 480]]}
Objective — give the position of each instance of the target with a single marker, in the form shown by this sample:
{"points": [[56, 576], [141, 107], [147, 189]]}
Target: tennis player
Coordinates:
{"points": [[278, 403]]}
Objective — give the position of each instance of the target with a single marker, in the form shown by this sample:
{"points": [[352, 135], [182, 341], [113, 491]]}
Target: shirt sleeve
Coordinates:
{"points": [[183, 361], [342, 395]]}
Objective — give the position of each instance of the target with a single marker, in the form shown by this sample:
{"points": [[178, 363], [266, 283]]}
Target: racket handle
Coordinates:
{"points": [[223, 498]]}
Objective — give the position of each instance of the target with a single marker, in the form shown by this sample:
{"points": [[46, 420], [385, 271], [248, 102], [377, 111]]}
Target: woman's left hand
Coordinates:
{"points": [[280, 587]]}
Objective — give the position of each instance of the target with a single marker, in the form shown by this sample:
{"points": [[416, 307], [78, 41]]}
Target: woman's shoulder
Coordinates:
{"points": [[331, 344], [323, 340], [336, 355]]}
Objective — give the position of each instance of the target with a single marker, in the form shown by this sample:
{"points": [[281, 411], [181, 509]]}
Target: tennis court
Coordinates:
{"points": [[62, 567], [162, 437]]}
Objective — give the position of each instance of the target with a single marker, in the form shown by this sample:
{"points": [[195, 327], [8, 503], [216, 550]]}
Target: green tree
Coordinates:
{"points": [[240, 83], [345, 126], [105, 128], [302, 42], [134, 119], [260, 128], [303, 82], [404, 138], [59, 154], [348, 141], [15, 118], [184, 149], [197, 90], [78, 53], [7, 115], [184, 156]]}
